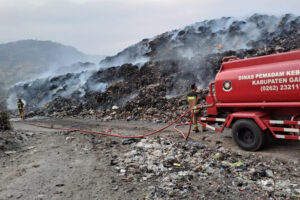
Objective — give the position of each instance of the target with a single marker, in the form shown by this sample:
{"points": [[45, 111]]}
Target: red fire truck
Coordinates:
{"points": [[256, 97]]}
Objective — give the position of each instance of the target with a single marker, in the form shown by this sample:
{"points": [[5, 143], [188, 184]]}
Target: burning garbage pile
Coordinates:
{"points": [[132, 94], [193, 170], [152, 86]]}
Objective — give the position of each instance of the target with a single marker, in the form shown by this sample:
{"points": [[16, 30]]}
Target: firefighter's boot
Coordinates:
{"points": [[195, 128]]}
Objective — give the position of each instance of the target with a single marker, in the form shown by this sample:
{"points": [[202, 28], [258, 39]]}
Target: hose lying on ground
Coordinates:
{"points": [[126, 136]]}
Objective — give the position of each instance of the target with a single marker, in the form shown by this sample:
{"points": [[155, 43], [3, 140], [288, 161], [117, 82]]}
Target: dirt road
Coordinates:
{"points": [[70, 165]]}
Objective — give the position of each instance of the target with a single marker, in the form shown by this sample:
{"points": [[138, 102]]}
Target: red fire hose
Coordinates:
{"points": [[125, 136], [145, 135]]}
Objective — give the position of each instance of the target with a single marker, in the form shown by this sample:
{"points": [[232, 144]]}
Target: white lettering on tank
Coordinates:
{"points": [[288, 80], [294, 79], [269, 81], [293, 73], [246, 77], [269, 75]]}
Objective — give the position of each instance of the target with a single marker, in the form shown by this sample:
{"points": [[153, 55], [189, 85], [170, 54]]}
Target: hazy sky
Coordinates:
{"points": [[108, 26]]}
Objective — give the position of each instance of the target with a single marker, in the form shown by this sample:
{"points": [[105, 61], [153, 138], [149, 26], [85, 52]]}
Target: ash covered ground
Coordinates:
{"points": [[39, 163], [135, 92]]}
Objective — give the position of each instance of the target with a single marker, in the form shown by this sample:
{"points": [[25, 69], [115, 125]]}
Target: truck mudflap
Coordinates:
{"points": [[283, 129], [209, 119]]}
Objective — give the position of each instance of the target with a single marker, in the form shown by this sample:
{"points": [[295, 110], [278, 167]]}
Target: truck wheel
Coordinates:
{"points": [[247, 135]]}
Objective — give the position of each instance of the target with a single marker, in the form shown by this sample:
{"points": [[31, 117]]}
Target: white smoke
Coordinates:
{"points": [[64, 86], [135, 54], [11, 102], [219, 35], [127, 99], [99, 87], [191, 43]]}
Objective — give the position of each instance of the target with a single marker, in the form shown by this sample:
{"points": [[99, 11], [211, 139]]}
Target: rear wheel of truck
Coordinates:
{"points": [[247, 135]]}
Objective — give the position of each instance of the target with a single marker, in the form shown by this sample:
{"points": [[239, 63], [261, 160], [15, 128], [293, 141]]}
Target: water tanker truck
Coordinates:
{"points": [[256, 97]]}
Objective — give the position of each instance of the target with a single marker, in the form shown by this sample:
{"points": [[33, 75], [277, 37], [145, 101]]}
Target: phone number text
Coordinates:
{"points": [[277, 88]]}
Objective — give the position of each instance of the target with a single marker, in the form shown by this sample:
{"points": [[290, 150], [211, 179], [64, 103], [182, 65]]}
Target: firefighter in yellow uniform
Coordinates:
{"points": [[193, 98], [21, 108]]}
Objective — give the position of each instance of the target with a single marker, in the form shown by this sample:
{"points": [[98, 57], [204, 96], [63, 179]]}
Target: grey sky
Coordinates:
{"points": [[108, 26]]}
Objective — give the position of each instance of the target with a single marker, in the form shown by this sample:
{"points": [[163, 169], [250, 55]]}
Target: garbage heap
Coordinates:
{"points": [[156, 87], [193, 170]]}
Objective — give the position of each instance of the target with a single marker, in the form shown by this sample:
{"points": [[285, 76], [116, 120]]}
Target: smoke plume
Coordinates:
{"points": [[188, 52]]}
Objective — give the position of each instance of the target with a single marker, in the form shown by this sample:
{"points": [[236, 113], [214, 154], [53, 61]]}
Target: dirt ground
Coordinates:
{"points": [[72, 165]]}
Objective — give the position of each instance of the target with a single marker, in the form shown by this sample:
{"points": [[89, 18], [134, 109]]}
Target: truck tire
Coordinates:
{"points": [[247, 135]]}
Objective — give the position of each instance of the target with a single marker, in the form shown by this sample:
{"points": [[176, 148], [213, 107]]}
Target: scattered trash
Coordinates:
{"points": [[29, 134], [28, 148], [176, 164], [218, 156], [269, 173], [115, 188], [10, 152], [129, 141], [113, 162], [177, 171], [36, 165], [237, 164], [70, 138], [115, 108], [60, 185]]}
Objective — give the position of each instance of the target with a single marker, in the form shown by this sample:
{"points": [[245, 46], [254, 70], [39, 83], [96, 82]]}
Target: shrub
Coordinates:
{"points": [[4, 121]]}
